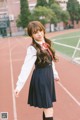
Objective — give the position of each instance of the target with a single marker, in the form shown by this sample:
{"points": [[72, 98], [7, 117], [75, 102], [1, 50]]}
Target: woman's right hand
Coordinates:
{"points": [[16, 92]]}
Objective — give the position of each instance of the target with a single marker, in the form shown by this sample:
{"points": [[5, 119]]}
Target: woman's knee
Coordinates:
{"points": [[48, 112]]}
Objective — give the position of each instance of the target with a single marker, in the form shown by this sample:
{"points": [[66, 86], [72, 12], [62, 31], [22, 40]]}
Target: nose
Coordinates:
{"points": [[39, 33]]}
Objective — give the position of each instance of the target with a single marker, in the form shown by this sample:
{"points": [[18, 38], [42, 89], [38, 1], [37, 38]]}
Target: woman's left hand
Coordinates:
{"points": [[57, 79]]}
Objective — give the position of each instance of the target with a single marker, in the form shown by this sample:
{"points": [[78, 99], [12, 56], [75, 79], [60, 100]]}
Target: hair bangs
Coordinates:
{"points": [[35, 26]]}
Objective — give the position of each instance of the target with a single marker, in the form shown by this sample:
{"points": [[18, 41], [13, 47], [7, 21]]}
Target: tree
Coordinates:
{"points": [[18, 21], [73, 7], [65, 16], [41, 13], [61, 15], [23, 19], [57, 10], [50, 2], [41, 3]]}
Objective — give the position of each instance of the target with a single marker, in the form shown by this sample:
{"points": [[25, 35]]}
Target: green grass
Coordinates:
{"points": [[68, 39], [64, 50], [68, 35]]}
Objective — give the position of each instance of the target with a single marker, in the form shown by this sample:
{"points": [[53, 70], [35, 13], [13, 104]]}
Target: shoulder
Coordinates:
{"points": [[31, 49]]}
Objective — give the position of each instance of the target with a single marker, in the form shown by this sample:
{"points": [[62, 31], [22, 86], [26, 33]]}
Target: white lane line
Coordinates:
{"points": [[74, 99], [12, 82]]}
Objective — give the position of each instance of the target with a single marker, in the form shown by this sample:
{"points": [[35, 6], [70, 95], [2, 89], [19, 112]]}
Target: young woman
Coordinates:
{"points": [[39, 53]]}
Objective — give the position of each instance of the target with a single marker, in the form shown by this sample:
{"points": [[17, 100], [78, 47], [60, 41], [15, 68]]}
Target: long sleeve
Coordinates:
{"points": [[54, 71], [26, 67]]}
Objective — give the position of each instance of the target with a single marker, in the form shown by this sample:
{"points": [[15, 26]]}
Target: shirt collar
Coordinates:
{"points": [[40, 42]]}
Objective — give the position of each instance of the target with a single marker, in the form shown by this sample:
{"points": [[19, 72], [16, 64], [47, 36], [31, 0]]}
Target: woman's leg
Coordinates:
{"points": [[48, 114]]}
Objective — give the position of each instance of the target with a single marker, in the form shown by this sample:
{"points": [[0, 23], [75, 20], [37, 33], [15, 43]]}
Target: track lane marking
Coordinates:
{"points": [[12, 83], [71, 96]]}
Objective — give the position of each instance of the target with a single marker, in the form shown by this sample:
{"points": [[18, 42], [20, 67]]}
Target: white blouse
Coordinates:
{"points": [[27, 67]]}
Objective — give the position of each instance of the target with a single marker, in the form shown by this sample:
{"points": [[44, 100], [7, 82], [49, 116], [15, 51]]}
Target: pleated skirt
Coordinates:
{"points": [[42, 88]]}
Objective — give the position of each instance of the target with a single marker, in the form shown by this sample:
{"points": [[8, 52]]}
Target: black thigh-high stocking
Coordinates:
{"points": [[43, 116]]}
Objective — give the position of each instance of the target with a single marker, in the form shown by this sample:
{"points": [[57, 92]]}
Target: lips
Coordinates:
{"points": [[39, 37]]}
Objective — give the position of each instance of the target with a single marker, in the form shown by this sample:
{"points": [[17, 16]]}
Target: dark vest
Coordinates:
{"points": [[43, 59]]}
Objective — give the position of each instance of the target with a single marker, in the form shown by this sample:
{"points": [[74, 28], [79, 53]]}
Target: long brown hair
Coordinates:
{"points": [[35, 26]]}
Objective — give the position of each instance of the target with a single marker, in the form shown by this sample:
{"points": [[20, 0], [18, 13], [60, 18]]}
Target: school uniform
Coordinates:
{"points": [[42, 88]]}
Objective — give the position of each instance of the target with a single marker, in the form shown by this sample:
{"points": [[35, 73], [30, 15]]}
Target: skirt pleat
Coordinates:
{"points": [[42, 88]]}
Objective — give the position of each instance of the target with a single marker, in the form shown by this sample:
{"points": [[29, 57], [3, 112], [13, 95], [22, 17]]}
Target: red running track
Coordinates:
{"points": [[12, 54]]}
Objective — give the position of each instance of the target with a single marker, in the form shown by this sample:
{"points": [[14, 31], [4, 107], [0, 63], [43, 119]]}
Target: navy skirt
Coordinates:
{"points": [[42, 88]]}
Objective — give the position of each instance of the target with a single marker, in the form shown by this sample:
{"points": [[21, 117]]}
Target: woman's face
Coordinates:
{"points": [[38, 36]]}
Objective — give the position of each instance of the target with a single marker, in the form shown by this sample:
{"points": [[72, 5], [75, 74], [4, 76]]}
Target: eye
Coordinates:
{"points": [[40, 30], [34, 32]]}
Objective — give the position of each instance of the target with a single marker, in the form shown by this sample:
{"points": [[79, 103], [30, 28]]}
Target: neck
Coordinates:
{"points": [[40, 41]]}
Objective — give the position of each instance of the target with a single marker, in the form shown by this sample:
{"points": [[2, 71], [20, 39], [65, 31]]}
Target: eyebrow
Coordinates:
{"points": [[37, 29]]}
